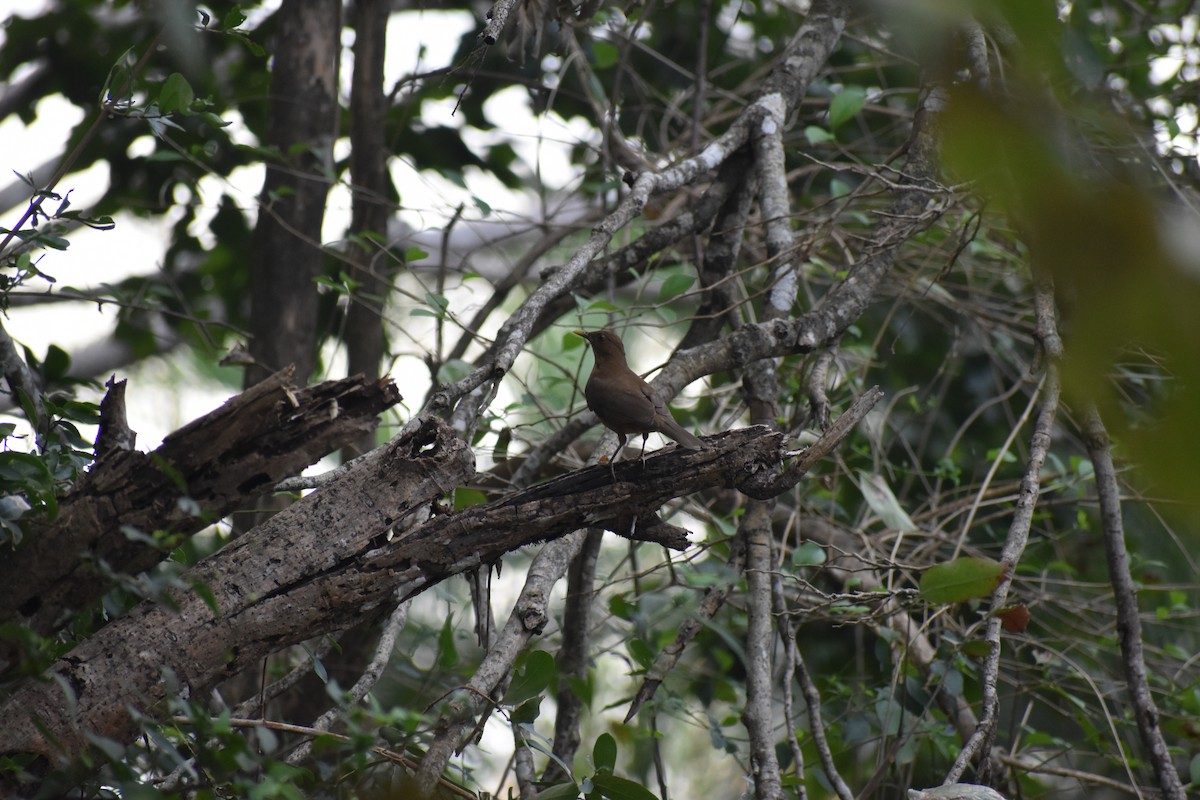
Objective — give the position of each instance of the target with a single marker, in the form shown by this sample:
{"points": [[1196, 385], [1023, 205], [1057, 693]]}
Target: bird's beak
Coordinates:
{"points": [[580, 333]]}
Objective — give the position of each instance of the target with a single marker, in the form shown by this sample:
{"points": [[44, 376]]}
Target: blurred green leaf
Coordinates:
{"points": [[882, 500], [675, 285], [962, 579], [176, 95], [604, 54], [845, 105]]}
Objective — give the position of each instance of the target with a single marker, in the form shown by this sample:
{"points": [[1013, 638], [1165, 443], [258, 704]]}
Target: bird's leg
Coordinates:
{"points": [[621, 440], [645, 436], [613, 461]]}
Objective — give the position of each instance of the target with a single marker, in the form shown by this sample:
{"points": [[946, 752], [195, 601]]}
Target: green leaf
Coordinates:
{"points": [[531, 679], [594, 86], [889, 713], [560, 791], [621, 608], [13, 506], [614, 788], [251, 45], [675, 285], [447, 646], [176, 94], [604, 54], [845, 105], [582, 688], [100, 223], [414, 254], [642, 653], [817, 135], [56, 364], [24, 468], [267, 739], [976, 648], [212, 119], [79, 411], [808, 554], [528, 712], [53, 242], [453, 371], [318, 664], [604, 752], [465, 498], [114, 750], [961, 579]]}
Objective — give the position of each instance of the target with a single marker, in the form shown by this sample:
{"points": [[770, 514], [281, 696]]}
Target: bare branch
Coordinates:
{"points": [[758, 715], [26, 392], [218, 462], [240, 611], [365, 683], [528, 618], [1014, 548], [1129, 626]]}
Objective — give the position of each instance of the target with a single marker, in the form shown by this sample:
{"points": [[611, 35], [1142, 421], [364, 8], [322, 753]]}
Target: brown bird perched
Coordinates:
{"points": [[623, 401]]}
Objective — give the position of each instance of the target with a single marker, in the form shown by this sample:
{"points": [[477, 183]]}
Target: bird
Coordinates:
{"points": [[623, 401]]}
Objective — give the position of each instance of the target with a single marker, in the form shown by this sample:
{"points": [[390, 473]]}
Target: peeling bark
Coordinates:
{"points": [[281, 583], [317, 565], [219, 462]]}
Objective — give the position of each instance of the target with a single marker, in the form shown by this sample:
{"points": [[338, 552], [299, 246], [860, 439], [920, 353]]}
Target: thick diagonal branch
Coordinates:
{"points": [[317, 565], [219, 462]]}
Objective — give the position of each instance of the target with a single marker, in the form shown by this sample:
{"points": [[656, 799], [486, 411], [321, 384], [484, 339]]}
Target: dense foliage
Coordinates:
{"points": [[977, 207]]}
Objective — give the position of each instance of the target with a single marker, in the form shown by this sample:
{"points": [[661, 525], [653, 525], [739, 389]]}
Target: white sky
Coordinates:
{"points": [[417, 41]]}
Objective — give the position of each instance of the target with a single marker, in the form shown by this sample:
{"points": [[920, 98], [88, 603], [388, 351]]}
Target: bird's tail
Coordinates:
{"points": [[668, 426]]}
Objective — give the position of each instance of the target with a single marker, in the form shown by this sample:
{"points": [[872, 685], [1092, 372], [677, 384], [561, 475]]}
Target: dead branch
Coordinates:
{"points": [[317, 565], [219, 462]]}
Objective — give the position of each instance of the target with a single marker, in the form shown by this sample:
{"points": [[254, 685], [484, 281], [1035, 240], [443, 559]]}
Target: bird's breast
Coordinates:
{"points": [[623, 408]]}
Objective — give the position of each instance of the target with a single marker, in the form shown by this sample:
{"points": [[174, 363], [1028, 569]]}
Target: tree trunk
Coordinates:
{"points": [[286, 258], [371, 208]]}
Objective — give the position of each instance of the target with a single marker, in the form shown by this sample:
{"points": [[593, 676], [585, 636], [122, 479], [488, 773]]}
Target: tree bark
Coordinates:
{"points": [[217, 463], [279, 584], [370, 209], [317, 565], [287, 253]]}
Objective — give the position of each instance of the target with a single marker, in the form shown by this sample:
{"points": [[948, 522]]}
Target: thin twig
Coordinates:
{"points": [[106, 110], [26, 391], [1014, 547], [365, 683]]}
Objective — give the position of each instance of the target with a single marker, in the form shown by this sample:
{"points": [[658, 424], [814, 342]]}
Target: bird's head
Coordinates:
{"points": [[605, 343]]}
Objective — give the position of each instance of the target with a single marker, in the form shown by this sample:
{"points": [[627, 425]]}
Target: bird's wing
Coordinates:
{"points": [[622, 408]]}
